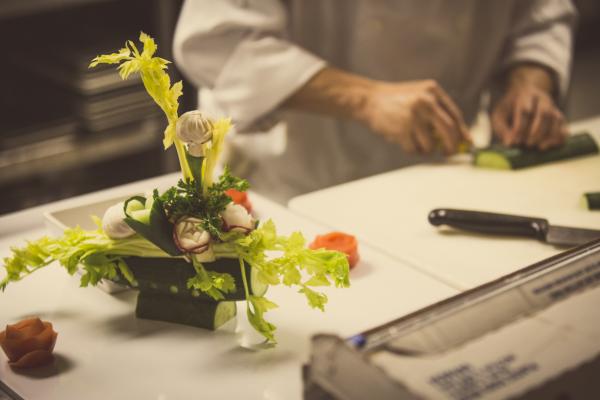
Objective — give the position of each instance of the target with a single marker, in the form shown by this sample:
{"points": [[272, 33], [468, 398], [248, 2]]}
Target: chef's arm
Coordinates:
{"points": [[417, 115], [536, 62], [238, 52], [532, 75]]}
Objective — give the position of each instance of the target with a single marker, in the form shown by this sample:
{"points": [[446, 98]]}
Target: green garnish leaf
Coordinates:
{"points": [[185, 200], [159, 231], [212, 283], [99, 256], [257, 307], [157, 83], [197, 195]]}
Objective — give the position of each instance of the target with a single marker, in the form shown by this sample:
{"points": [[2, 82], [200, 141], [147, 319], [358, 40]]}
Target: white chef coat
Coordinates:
{"points": [[248, 56]]}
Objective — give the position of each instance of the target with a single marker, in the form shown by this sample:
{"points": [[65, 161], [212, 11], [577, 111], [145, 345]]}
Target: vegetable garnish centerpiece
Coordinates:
{"points": [[190, 251]]}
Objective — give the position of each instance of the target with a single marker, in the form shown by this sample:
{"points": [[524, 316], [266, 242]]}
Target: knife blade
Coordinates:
{"points": [[512, 225]]}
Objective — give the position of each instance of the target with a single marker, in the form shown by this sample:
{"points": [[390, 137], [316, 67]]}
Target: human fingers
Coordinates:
{"points": [[407, 143], [559, 128], [500, 124], [423, 138], [539, 121], [559, 132], [433, 115], [522, 114], [455, 113]]}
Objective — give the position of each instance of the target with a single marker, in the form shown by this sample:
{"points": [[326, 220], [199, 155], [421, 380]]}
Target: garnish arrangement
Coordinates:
{"points": [[190, 251]]}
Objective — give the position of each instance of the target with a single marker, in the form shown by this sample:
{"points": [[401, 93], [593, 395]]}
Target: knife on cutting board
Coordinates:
{"points": [[512, 225]]}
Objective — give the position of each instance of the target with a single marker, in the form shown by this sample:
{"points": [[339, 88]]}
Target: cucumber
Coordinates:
{"points": [[170, 276], [592, 200], [202, 314], [257, 287], [142, 215], [149, 203], [499, 157], [134, 204], [155, 227]]}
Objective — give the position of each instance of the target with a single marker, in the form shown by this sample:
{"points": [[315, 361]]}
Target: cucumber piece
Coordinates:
{"points": [[187, 311], [499, 157], [161, 275], [142, 215], [257, 287], [149, 203], [592, 200], [134, 204], [158, 230]]}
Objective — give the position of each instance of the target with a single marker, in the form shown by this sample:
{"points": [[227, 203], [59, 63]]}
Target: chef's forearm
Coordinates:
{"points": [[333, 92], [531, 75]]}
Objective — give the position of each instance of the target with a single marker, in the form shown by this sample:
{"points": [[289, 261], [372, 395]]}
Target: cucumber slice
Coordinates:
{"points": [[499, 157], [142, 215], [149, 203], [161, 275], [257, 287], [592, 200], [134, 204], [158, 229], [186, 311], [225, 311]]}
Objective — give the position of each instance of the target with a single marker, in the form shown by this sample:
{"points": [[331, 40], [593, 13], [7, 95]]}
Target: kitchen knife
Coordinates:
{"points": [[512, 225]]}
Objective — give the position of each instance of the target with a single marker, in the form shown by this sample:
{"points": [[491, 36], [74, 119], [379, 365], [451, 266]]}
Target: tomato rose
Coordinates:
{"points": [[28, 343]]}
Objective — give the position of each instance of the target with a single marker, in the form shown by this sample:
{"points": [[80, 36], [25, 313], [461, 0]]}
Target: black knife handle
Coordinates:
{"points": [[490, 223]]}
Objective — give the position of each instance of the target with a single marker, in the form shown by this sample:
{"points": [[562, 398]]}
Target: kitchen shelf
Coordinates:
{"points": [[68, 130], [21, 8], [59, 154]]}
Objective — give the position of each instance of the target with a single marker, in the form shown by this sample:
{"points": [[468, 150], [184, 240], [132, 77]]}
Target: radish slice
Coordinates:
{"points": [[189, 236], [113, 223], [235, 217]]}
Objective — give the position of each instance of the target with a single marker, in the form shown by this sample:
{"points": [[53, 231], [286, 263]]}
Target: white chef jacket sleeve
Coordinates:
{"points": [[236, 48], [542, 33]]}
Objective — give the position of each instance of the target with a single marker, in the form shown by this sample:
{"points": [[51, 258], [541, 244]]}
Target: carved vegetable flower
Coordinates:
{"points": [[28, 343], [113, 223], [189, 236], [194, 129], [236, 217]]}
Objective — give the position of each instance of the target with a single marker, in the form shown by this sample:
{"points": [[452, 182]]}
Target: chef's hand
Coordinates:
{"points": [[417, 115], [526, 115]]}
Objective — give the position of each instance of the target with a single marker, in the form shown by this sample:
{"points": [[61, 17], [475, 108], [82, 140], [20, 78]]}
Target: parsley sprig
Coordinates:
{"points": [[185, 200]]}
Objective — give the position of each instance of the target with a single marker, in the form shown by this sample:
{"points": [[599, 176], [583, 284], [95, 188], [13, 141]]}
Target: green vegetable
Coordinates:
{"points": [[175, 286], [212, 150], [592, 200], [157, 84], [499, 157], [134, 203], [203, 314], [99, 256], [295, 266], [156, 227], [184, 200], [162, 274], [196, 167]]}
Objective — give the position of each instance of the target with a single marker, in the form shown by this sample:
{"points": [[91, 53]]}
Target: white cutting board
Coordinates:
{"points": [[104, 352], [389, 211]]}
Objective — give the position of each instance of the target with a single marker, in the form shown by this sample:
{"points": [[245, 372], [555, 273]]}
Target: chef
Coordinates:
{"points": [[366, 86]]}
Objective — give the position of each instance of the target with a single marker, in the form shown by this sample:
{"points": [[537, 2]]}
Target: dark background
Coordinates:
{"points": [[67, 130]]}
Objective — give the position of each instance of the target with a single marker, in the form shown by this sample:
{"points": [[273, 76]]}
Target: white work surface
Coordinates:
{"points": [[389, 212], [104, 352]]}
